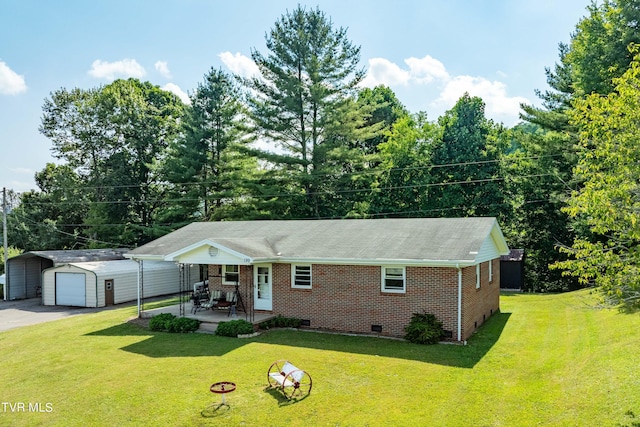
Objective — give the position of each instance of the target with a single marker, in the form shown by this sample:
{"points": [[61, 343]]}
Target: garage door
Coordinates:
{"points": [[70, 289]]}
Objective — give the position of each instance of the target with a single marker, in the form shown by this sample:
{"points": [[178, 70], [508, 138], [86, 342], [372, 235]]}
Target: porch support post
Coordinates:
{"points": [[140, 278], [459, 302]]}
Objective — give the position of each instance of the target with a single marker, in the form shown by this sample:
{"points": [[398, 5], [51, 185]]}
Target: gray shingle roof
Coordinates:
{"points": [[77, 255], [443, 239]]}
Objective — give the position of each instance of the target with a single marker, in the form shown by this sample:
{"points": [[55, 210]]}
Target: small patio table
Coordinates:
{"points": [[223, 387]]}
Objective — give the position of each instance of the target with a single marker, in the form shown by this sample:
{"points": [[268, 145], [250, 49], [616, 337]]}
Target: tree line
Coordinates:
{"points": [[302, 139]]}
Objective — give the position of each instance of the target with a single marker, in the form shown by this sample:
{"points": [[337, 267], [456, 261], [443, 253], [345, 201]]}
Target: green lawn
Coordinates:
{"points": [[552, 360]]}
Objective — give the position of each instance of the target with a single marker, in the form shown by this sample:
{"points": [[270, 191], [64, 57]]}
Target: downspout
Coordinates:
{"points": [[459, 302]]}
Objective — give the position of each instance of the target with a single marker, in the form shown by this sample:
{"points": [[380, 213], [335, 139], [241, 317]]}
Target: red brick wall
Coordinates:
{"points": [[479, 304], [348, 298]]}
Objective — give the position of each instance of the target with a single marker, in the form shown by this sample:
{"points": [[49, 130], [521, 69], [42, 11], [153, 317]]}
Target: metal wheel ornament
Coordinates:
{"points": [[276, 367], [297, 384]]}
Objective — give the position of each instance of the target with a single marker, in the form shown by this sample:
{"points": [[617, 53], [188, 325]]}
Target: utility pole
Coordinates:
{"points": [[4, 234]]}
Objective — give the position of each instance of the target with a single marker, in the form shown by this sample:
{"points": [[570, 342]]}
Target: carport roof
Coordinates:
{"points": [[77, 255]]}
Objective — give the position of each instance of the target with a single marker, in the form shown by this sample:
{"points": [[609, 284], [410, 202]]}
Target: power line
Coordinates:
{"points": [[371, 171], [282, 195]]}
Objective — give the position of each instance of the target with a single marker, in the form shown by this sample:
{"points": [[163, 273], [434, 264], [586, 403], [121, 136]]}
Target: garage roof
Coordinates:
{"points": [[77, 255]]}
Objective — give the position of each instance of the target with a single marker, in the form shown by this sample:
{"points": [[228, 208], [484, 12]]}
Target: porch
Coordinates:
{"points": [[209, 318]]}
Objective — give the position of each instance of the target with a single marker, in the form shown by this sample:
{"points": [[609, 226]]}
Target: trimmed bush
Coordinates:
{"points": [[234, 328], [167, 322], [184, 325], [281, 322], [424, 329], [161, 322]]}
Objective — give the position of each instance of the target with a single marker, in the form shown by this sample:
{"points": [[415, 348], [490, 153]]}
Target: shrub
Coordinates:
{"points": [[184, 325], [424, 329], [170, 323], [234, 328], [281, 322], [161, 322]]}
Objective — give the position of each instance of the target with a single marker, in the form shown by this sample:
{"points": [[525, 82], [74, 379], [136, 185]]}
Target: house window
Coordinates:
{"points": [[490, 271], [301, 276], [393, 279], [478, 271], [230, 274]]}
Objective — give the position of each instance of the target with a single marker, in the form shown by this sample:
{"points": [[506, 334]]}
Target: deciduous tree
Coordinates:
{"points": [[608, 202]]}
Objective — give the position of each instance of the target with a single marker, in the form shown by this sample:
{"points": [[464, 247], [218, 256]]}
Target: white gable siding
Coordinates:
{"points": [[201, 255], [488, 250]]}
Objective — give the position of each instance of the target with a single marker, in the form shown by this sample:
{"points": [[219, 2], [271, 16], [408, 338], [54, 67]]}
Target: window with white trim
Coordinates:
{"points": [[393, 279], [230, 274], [490, 271], [301, 276], [478, 271]]}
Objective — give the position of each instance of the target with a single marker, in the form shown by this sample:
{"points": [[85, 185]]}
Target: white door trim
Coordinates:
{"points": [[263, 286]]}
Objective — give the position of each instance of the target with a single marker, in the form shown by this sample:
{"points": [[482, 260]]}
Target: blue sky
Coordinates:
{"points": [[428, 51]]}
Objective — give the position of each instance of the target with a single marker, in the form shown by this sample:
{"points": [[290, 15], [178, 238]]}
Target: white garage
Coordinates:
{"points": [[103, 283]]}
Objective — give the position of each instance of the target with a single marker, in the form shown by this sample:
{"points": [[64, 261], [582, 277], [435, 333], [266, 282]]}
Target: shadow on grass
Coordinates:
{"points": [[215, 410], [462, 356], [281, 398], [164, 344]]}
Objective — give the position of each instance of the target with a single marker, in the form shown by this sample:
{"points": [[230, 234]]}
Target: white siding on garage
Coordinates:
{"points": [[71, 289], [160, 278]]}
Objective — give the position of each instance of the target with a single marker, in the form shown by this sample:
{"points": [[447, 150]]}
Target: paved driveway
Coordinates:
{"points": [[14, 314]]}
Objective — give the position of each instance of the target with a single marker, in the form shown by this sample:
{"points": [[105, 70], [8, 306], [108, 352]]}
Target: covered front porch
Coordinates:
{"points": [[213, 273], [210, 317]]}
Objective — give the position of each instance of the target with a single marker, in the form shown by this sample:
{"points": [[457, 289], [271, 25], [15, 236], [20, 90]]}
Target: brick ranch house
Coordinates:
{"points": [[356, 275]]}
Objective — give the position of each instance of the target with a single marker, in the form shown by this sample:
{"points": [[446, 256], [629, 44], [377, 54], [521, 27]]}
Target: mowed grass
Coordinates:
{"points": [[554, 360]]}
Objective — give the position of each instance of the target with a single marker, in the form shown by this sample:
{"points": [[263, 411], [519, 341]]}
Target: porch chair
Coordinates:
{"points": [[229, 302], [216, 295]]}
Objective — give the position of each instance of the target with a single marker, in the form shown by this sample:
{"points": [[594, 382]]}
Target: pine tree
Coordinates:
{"points": [[304, 103]]}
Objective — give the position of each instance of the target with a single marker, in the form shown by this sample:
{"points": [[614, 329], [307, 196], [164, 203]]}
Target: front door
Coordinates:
{"points": [[108, 292], [262, 286]]}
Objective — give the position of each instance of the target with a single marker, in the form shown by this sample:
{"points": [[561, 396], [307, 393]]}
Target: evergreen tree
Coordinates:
{"points": [[597, 53], [207, 170], [303, 102], [465, 163]]}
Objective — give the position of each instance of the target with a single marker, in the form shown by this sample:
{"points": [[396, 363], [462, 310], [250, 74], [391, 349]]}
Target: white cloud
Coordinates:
{"points": [[162, 68], [428, 75], [112, 70], [427, 69], [11, 83], [174, 88], [421, 70], [239, 64], [499, 105], [384, 72]]}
